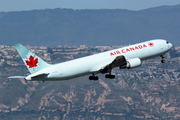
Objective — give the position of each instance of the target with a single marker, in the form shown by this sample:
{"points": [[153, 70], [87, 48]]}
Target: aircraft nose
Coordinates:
{"points": [[170, 45]]}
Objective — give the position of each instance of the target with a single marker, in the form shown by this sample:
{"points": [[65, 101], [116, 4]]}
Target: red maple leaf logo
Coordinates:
{"points": [[32, 62], [151, 44]]}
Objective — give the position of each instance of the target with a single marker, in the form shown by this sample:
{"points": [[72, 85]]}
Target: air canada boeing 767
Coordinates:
{"points": [[128, 57]]}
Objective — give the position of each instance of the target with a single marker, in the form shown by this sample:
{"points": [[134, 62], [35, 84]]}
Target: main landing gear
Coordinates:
{"points": [[162, 61], [93, 77], [110, 76]]}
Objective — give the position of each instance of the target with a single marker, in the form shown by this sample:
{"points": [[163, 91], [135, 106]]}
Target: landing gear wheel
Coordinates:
{"points": [[163, 61], [110, 76], [90, 77], [96, 78], [93, 78]]}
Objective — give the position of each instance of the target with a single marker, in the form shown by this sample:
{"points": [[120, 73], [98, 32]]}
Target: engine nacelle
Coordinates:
{"points": [[132, 63]]}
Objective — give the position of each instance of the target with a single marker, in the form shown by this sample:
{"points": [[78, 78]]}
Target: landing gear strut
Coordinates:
{"points": [[110, 76], [93, 77], [162, 61]]}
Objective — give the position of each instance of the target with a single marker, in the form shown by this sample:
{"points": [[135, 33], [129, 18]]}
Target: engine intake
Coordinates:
{"points": [[131, 63]]}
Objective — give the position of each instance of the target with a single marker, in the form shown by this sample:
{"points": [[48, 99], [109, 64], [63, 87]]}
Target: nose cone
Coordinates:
{"points": [[170, 45]]}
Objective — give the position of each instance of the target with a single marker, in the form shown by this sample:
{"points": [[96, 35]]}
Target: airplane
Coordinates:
{"points": [[128, 57]]}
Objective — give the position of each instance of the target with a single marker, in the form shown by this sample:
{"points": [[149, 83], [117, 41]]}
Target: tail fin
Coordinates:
{"points": [[31, 60]]}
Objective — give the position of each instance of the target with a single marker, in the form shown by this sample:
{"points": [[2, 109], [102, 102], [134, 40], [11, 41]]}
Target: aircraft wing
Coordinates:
{"points": [[105, 67], [118, 61], [99, 67]]}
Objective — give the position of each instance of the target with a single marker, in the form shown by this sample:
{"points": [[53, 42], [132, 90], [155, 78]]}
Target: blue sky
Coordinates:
{"points": [[21, 5]]}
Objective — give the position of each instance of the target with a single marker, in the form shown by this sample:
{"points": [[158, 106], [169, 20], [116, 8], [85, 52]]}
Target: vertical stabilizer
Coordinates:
{"points": [[31, 60]]}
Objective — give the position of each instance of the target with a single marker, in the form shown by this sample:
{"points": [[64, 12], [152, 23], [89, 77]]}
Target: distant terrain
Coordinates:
{"points": [[151, 91], [52, 27]]}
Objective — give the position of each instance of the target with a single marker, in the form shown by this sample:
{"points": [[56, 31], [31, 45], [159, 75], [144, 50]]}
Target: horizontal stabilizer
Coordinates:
{"points": [[37, 77], [44, 75], [11, 77]]}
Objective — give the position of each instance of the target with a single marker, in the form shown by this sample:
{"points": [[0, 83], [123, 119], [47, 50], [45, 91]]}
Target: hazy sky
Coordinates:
{"points": [[19, 5]]}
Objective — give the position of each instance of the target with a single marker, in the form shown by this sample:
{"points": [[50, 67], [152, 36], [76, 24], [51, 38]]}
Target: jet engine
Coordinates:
{"points": [[131, 63]]}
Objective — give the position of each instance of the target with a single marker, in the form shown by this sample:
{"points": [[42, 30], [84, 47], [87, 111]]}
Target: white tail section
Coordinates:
{"points": [[31, 60]]}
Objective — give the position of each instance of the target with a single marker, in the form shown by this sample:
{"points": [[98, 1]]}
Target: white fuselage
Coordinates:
{"points": [[87, 65]]}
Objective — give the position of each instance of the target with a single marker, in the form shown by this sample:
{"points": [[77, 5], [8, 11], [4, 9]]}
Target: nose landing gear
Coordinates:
{"points": [[162, 61]]}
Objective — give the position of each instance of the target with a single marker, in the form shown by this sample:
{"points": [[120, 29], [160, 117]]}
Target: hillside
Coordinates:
{"points": [[52, 27], [148, 92]]}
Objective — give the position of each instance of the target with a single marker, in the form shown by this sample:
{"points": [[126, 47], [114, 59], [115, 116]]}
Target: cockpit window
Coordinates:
{"points": [[167, 42]]}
